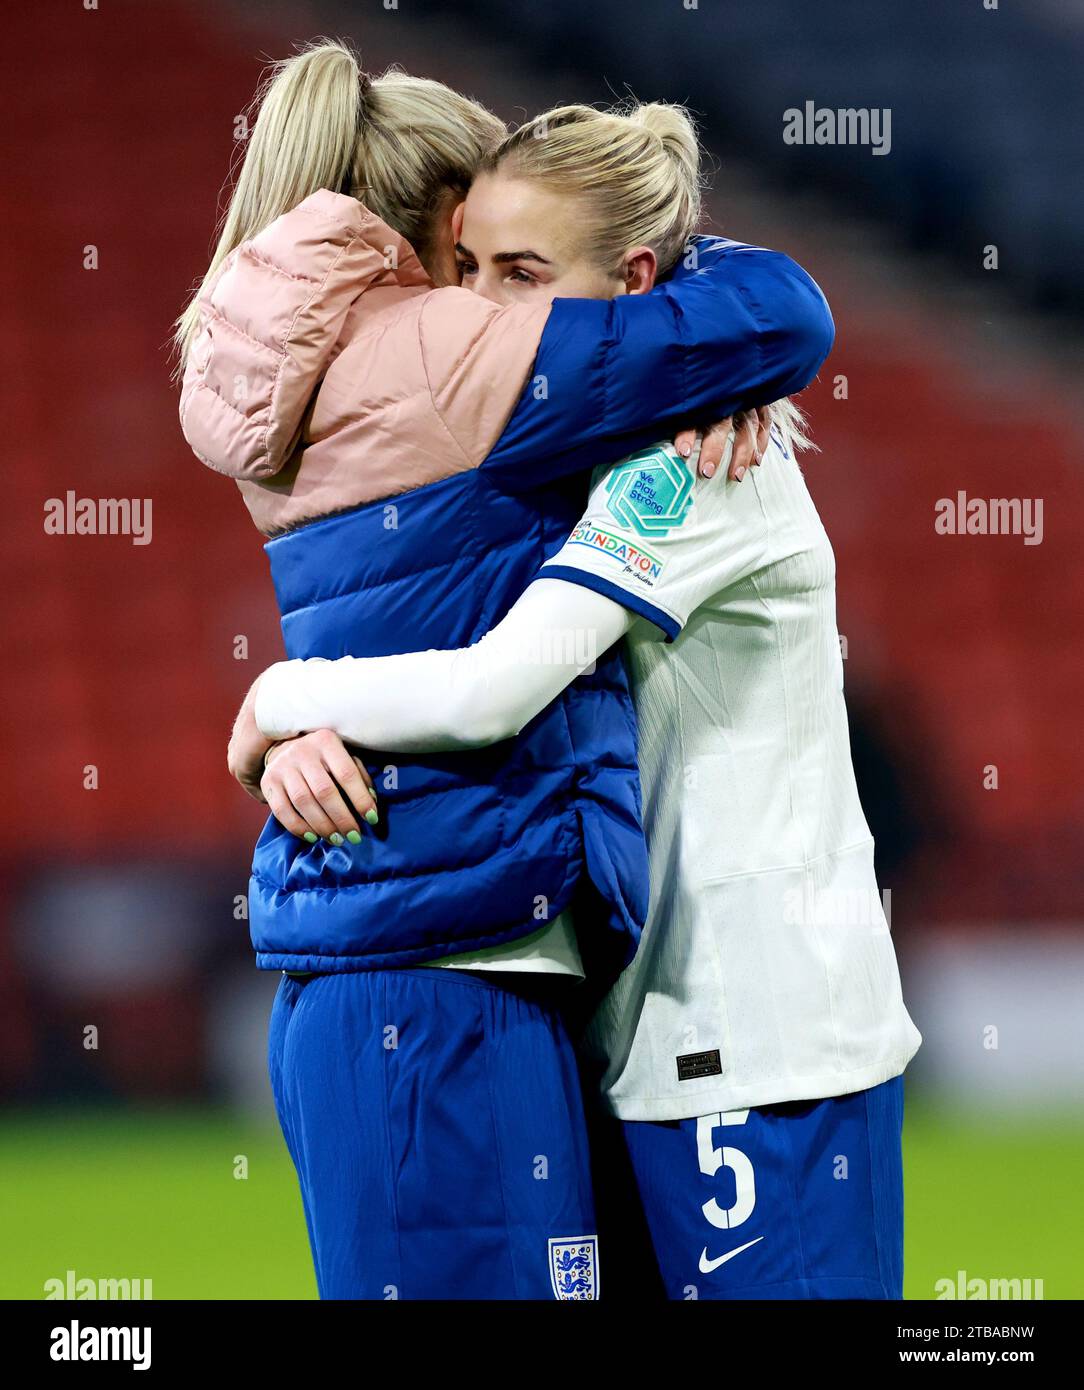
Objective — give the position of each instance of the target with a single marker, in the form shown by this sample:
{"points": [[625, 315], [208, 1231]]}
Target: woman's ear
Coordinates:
{"points": [[640, 268], [457, 221]]}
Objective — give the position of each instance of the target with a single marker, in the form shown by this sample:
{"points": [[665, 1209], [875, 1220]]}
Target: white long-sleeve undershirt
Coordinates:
{"points": [[441, 701]]}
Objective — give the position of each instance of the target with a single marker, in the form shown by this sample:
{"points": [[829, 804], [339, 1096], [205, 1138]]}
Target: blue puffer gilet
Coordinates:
{"points": [[473, 848]]}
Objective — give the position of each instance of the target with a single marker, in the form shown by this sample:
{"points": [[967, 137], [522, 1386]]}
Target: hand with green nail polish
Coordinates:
{"points": [[330, 790]]}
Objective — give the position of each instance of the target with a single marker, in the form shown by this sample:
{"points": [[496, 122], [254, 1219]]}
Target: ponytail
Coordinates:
{"points": [[304, 139], [397, 143]]}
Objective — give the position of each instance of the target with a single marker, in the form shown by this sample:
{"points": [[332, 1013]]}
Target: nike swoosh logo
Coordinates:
{"points": [[706, 1265]]}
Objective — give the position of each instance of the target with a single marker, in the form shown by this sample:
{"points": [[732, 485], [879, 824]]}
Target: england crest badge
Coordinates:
{"points": [[574, 1267]]}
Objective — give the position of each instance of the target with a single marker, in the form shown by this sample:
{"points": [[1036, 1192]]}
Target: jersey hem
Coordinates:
{"points": [[823, 1087]]}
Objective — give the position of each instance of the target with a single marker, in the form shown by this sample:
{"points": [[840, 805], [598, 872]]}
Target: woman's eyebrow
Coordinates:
{"points": [[505, 257]]}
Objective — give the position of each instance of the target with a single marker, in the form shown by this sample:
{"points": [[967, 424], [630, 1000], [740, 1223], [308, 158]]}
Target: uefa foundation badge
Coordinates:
{"points": [[574, 1268]]}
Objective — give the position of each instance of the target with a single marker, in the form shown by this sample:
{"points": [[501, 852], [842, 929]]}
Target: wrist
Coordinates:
{"points": [[268, 701], [273, 748]]}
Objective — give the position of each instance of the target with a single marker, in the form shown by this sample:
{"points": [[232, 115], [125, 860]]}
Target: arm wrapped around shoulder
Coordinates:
{"points": [[734, 327]]}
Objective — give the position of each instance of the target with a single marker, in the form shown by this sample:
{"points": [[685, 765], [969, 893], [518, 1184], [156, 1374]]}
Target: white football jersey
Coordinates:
{"points": [[766, 972]]}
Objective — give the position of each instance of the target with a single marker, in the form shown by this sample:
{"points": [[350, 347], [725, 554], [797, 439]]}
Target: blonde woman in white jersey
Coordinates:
{"points": [[753, 1052]]}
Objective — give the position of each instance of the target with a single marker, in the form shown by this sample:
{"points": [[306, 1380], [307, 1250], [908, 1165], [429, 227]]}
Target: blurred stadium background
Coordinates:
{"points": [[118, 905]]}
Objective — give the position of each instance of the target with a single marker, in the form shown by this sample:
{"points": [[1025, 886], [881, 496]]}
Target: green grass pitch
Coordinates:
{"points": [[153, 1195]]}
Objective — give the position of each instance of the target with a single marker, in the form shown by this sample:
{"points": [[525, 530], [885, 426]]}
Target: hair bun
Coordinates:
{"points": [[674, 127], [635, 170]]}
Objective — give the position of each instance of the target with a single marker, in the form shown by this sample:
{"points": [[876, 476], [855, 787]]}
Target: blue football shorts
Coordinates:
{"points": [[436, 1123], [794, 1201]]}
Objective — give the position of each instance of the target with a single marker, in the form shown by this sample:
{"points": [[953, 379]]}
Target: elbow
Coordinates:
{"points": [[224, 439], [820, 331], [484, 702], [812, 342], [491, 711], [806, 335], [794, 331], [485, 724]]}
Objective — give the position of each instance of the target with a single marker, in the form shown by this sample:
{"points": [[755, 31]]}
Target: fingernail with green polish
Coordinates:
{"points": [[371, 816], [336, 838], [311, 837], [353, 837]]}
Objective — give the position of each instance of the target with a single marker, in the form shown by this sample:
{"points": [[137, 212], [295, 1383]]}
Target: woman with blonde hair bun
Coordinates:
{"points": [[412, 452], [634, 173]]}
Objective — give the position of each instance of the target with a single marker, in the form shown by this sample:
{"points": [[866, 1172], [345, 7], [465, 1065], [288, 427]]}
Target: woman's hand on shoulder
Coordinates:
{"points": [[750, 429]]}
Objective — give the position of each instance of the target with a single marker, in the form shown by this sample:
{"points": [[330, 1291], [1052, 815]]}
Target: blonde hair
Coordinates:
{"points": [[634, 171], [792, 424], [636, 174], [396, 143]]}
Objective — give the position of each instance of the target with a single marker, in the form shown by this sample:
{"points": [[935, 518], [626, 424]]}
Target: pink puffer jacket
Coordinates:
{"points": [[328, 291]]}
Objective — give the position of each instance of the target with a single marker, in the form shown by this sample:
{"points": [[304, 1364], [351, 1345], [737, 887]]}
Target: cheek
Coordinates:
{"points": [[586, 283], [493, 288], [540, 294]]}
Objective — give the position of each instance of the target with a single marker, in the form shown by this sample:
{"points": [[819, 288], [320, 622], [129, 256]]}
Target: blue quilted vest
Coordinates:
{"points": [[473, 848]]}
